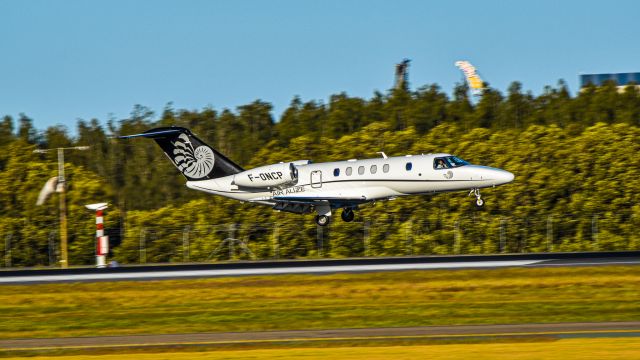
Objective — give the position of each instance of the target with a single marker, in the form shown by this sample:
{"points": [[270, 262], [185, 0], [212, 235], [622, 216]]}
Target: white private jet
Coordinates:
{"points": [[302, 186]]}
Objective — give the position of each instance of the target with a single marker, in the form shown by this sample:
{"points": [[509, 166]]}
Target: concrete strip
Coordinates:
{"points": [[262, 271]]}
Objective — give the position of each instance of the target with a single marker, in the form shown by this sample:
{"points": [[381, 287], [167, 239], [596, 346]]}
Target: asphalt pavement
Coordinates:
{"points": [[322, 266]]}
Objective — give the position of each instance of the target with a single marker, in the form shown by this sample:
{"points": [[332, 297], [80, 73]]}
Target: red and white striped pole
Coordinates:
{"points": [[102, 249], [102, 241]]}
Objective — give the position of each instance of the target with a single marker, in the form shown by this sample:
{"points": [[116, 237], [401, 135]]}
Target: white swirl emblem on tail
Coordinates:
{"points": [[194, 163]]}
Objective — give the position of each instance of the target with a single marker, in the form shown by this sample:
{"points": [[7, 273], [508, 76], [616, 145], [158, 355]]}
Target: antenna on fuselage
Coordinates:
{"points": [[384, 156]]}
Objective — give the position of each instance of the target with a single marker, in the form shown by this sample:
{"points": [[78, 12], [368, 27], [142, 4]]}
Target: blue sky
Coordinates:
{"points": [[65, 60]]}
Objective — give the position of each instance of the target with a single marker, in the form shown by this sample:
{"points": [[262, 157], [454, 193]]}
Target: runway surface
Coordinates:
{"points": [[555, 330], [318, 267]]}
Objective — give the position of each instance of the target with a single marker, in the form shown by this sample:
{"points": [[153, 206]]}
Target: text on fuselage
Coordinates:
{"points": [[287, 191], [274, 175]]}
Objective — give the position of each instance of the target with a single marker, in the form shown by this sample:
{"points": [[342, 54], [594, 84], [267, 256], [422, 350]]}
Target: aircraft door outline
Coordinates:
{"points": [[316, 179]]}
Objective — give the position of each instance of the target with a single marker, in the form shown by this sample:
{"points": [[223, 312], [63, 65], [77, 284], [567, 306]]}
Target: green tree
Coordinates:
{"points": [[428, 109], [572, 157], [56, 137], [26, 131], [257, 124], [6, 130], [516, 110], [344, 115], [459, 110], [487, 112]]}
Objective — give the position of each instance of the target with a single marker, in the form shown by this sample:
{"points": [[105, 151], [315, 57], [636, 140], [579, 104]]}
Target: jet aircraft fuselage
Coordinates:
{"points": [[302, 186]]}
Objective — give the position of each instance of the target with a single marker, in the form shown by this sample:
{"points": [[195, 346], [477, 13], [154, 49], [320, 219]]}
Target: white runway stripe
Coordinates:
{"points": [[595, 263], [263, 271]]}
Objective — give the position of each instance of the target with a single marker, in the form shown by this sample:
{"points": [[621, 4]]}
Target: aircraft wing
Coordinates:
{"points": [[315, 199], [303, 204]]}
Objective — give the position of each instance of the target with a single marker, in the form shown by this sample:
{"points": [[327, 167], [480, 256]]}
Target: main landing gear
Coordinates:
{"points": [[324, 214], [348, 215], [479, 201], [324, 218]]}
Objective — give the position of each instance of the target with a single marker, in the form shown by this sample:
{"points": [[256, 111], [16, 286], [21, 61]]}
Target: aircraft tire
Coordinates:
{"points": [[348, 215], [323, 220], [480, 203]]}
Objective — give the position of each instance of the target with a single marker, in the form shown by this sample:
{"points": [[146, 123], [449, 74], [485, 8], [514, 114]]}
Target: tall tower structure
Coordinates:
{"points": [[402, 74]]}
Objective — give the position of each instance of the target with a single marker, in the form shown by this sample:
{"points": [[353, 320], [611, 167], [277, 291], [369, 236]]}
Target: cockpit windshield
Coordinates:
{"points": [[448, 162]]}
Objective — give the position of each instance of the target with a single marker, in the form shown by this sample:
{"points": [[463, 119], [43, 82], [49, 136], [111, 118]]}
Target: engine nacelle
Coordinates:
{"points": [[268, 176]]}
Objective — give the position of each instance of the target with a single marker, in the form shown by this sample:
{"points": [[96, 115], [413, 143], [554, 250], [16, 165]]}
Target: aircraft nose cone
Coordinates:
{"points": [[504, 177]]}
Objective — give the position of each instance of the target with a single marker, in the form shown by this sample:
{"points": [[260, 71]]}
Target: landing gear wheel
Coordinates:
{"points": [[323, 220], [348, 215], [479, 201]]}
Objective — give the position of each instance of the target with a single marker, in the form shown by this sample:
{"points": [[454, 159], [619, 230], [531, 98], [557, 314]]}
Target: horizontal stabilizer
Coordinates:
{"points": [[153, 133]]}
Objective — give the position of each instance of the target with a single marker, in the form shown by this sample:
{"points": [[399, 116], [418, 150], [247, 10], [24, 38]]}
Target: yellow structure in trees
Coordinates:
{"points": [[473, 79]]}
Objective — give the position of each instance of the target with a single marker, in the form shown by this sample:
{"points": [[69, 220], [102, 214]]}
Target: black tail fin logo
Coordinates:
{"points": [[195, 163], [195, 159]]}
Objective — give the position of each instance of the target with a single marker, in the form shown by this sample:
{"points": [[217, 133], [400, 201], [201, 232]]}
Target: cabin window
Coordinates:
{"points": [[374, 168], [348, 171], [408, 166], [385, 168], [336, 172], [361, 170]]}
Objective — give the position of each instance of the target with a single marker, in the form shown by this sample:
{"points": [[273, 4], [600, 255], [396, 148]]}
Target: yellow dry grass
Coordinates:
{"points": [[410, 298], [566, 349]]}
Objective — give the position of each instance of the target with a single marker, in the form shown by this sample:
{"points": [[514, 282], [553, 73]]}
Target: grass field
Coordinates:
{"points": [[412, 298], [565, 349]]}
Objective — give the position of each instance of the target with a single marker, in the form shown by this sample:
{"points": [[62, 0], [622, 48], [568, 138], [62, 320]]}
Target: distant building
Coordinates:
{"points": [[622, 79]]}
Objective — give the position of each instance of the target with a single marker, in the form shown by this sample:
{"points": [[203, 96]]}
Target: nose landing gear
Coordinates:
{"points": [[479, 201]]}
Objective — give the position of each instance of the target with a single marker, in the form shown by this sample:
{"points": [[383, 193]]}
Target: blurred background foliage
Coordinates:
{"points": [[575, 159]]}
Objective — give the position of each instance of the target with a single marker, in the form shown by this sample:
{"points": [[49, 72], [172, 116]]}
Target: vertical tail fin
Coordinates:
{"points": [[195, 159]]}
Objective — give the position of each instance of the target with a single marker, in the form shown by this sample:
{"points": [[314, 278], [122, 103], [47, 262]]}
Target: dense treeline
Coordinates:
{"points": [[574, 158]]}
